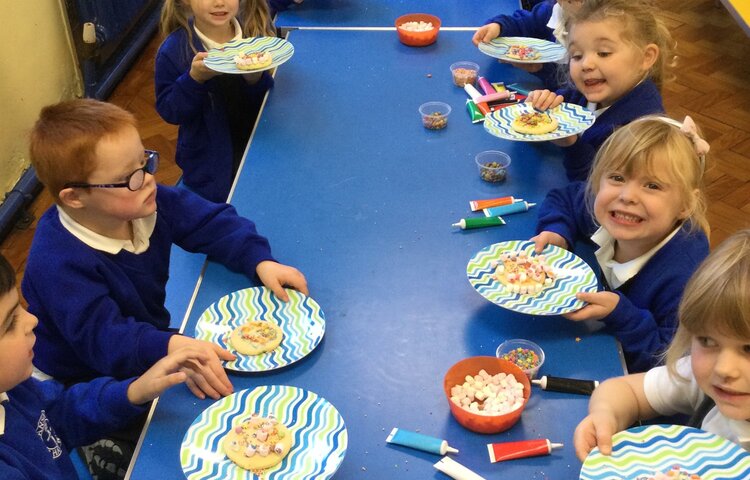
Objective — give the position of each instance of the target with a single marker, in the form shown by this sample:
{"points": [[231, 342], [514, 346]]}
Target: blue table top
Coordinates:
{"points": [[350, 188], [382, 13]]}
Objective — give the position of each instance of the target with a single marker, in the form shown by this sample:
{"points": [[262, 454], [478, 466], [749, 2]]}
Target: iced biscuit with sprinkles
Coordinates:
{"points": [[256, 337], [521, 273], [258, 443]]}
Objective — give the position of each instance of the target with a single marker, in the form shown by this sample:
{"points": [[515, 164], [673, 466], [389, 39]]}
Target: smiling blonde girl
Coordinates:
{"points": [[708, 363], [620, 53], [643, 208]]}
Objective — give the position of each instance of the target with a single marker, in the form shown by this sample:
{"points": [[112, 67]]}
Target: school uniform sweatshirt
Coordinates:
{"points": [[44, 421], [103, 314], [205, 147], [533, 24], [645, 318], [644, 99]]}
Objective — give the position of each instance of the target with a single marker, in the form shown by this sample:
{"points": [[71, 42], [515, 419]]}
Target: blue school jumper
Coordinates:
{"points": [[533, 24], [644, 99], [206, 147], [103, 314], [43, 421], [645, 318]]}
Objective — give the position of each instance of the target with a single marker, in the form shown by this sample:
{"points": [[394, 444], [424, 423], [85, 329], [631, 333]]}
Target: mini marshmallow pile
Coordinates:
{"points": [[526, 268], [487, 394], [416, 26]]}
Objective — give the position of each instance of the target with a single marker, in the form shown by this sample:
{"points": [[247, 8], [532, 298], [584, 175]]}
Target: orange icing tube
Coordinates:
{"points": [[525, 448], [477, 205]]}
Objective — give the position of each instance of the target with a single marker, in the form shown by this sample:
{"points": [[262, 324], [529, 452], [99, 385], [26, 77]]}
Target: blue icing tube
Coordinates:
{"points": [[407, 438], [515, 207]]}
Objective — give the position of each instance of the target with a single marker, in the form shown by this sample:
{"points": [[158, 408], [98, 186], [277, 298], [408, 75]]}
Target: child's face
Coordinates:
{"points": [[213, 14], [721, 366], [16, 341], [639, 209], [117, 157], [603, 66]]}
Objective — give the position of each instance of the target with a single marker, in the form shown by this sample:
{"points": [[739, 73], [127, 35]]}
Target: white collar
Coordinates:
{"points": [[142, 230], [3, 398], [209, 44], [619, 273]]}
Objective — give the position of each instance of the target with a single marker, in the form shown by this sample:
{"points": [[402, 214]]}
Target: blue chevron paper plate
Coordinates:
{"points": [[222, 59], [573, 276], [320, 436], [571, 119], [645, 450], [301, 320], [498, 48]]}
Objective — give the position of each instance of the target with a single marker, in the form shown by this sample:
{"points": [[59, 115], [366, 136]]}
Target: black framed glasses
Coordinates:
{"points": [[134, 181]]}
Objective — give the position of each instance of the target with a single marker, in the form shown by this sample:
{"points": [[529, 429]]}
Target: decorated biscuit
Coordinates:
{"points": [[258, 443], [256, 337]]}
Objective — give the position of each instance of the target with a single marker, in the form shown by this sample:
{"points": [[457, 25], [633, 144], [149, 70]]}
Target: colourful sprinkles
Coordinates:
{"points": [[523, 357]]}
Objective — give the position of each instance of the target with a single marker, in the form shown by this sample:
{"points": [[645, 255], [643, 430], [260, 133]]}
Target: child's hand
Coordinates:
{"points": [[277, 276], [600, 304], [207, 377], [526, 67], [198, 69], [486, 33], [565, 141], [548, 238], [544, 99], [164, 374], [595, 430]]}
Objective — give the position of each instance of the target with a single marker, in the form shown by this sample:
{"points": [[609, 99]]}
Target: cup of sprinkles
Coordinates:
{"points": [[527, 355]]}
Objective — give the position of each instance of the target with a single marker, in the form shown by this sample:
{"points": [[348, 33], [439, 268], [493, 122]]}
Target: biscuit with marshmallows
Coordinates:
{"points": [[520, 273], [253, 61], [258, 443]]}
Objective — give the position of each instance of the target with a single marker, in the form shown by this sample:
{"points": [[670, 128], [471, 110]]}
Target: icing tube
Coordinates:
{"points": [[474, 112], [419, 441], [525, 448], [477, 205], [455, 470], [493, 97], [566, 385], [479, 222], [499, 86], [515, 207], [486, 86], [518, 88], [474, 94]]}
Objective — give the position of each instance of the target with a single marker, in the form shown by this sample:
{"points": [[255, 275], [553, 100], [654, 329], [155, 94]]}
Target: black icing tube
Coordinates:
{"points": [[566, 385]]}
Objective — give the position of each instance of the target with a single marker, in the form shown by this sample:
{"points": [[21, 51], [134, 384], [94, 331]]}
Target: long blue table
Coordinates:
{"points": [[382, 13], [351, 189]]}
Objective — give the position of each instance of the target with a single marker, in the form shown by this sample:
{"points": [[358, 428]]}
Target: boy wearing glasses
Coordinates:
{"points": [[99, 261]]}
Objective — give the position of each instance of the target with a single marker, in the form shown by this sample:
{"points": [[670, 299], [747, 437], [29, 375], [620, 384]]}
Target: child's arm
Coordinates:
{"points": [[208, 376], [563, 217], [486, 33], [524, 23], [179, 96], [615, 405], [599, 305], [198, 69], [276, 276]]}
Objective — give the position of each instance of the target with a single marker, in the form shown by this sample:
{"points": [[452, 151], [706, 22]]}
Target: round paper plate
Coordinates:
{"points": [[643, 451], [573, 276], [301, 320], [320, 436], [498, 48], [222, 59], [571, 119]]}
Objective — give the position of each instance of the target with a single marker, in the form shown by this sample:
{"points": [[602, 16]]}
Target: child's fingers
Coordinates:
{"points": [[298, 282], [194, 388], [204, 385], [539, 243], [478, 37], [278, 290], [604, 440], [223, 354]]}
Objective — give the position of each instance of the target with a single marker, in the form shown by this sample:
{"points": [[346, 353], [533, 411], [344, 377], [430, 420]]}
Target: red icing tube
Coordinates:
{"points": [[525, 448]]}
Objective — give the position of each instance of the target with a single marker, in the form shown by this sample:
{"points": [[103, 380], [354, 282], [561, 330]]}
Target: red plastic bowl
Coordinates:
{"points": [[492, 365], [418, 39]]}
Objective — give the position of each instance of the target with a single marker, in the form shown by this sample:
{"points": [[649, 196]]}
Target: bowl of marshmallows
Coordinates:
{"points": [[417, 29]]}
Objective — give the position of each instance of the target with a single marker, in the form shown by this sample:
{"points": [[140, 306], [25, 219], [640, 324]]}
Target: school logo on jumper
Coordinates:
{"points": [[47, 434]]}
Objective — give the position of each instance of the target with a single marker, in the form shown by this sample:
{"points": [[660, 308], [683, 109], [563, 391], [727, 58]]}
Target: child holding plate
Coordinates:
{"points": [[545, 21], [619, 56], [707, 371], [644, 208], [216, 113]]}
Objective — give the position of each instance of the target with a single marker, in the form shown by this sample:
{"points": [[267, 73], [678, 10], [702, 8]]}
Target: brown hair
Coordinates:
{"points": [[640, 28], [644, 143], [717, 298], [63, 140], [257, 19]]}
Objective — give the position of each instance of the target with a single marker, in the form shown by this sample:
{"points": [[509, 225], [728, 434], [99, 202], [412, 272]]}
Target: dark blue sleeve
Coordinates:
{"points": [[564, 212], [179, 98], [524, 23], [85, 412], [215, 229]]}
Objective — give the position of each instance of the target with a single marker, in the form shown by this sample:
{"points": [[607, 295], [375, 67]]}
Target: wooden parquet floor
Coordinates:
{"points": [[712, 86]]}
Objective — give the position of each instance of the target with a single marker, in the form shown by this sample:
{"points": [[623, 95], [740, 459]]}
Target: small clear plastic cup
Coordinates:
{"points": [[526, 354], [464, 72], [434, 115], [493, 165]]}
